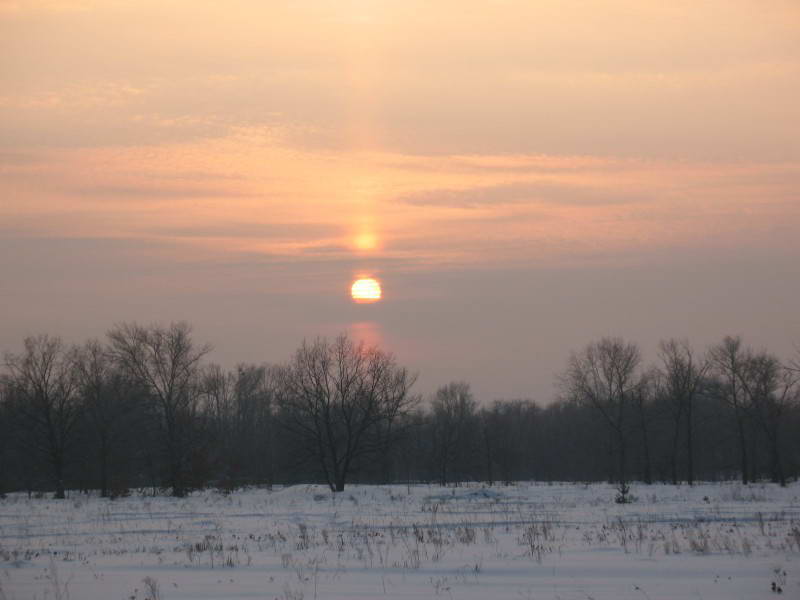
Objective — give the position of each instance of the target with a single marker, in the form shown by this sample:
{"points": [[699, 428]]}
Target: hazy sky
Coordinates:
{"points": [[522, 177]]}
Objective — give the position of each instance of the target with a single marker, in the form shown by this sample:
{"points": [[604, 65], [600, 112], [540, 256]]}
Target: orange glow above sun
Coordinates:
{"points": [[366, 241], [366, 290]]}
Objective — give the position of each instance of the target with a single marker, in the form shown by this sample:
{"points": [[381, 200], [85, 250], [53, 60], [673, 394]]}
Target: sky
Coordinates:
{"points": [[521, 177]]}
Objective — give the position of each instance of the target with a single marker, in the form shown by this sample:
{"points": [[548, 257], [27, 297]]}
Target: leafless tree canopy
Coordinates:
{"points": [[455, 429], [166, 362], [604, 376], [682, 376], [142, 409], [342, 400], [238, 406], [44, 384], [108, 397]]}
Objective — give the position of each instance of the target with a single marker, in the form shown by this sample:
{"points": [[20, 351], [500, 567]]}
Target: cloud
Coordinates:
{"points": [[519, 165], [153, 191], [521, 193], [299, 231], [16, 159]]}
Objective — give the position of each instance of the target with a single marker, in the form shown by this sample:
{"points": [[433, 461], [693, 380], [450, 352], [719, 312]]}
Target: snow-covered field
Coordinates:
{"points": [[528, 541]]}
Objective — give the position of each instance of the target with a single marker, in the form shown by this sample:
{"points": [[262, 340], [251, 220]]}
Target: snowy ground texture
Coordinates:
{"points": [[528, 541]]}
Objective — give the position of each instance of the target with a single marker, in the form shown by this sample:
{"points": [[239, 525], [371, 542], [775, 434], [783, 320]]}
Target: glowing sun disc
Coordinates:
{"points": [[366, 290]]}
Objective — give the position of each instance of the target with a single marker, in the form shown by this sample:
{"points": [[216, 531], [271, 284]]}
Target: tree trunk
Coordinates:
{"points": [[753, 454], [340, 479], [103, 468], [647, 474], [689, 445], [176, 477], [270, 455], [58, 472], [648, 477], [674, 456], [103, 476], [488, 456], [742, 450], [622, 475], [775, 462], [443, 466]]}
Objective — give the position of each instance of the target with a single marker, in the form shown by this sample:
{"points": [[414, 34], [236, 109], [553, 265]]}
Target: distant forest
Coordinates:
{"points": [[143, 411]]}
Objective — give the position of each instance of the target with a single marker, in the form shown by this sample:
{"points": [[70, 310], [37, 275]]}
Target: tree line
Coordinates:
{"points": [[144, 410]]}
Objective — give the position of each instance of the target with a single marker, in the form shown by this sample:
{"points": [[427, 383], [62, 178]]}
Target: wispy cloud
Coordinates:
{"points": [[520, 193], [144, 192], [296, 231]]}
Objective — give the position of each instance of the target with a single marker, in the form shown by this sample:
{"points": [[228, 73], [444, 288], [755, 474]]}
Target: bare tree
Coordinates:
{"points": [[771, 390], [219, 406], [255, 392], [643, 396], [729, 360], [454, 428], [487, 422], [509, 431], [108, 397], [604, 376], [166, 362], [239, 406], [340, 400], [44, 384], [6, 431], [794, 363], [682, 377]]}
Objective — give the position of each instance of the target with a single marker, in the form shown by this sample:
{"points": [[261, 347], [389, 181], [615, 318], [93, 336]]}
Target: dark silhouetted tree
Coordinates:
{"points": [[682, 377], [166, 363], [604, 376], [339, 400], [728, 361], [109, 397], [455, 431], [44, 387], [772, 390]]}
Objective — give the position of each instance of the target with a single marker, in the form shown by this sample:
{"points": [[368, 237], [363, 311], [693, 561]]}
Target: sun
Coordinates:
{"points": [[366, 290]]}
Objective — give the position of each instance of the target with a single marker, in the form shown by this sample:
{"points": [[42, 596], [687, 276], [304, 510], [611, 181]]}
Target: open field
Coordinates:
{"points": [[528, 541]]}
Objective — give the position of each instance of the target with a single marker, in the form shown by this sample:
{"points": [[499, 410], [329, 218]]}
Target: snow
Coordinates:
{"points": [[527, 541]]}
